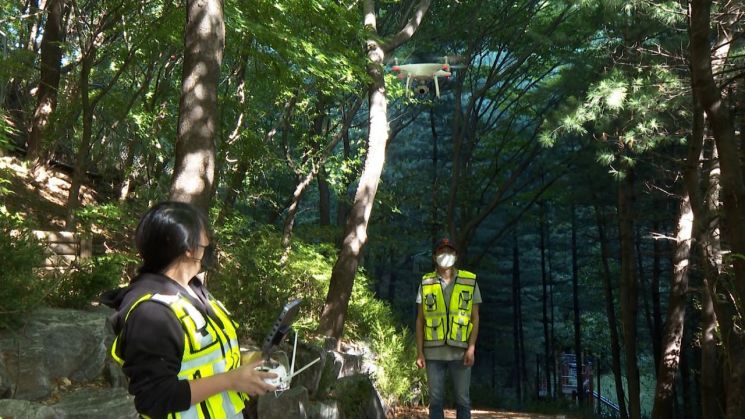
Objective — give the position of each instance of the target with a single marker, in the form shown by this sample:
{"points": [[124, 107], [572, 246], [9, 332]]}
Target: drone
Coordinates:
{"points": [[422, 72]]}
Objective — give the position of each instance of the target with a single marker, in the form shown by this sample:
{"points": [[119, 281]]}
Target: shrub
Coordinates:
{"points": [[252, 284], [81, 285], [21, 254]]}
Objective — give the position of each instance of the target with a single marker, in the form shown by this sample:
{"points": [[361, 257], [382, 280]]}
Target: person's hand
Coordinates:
{"points": [[469, 356], [420, 362], [246, 379]]}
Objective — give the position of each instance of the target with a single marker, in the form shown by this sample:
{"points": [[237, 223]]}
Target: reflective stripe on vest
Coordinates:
{"points": [[208, 350], [448, 324]]}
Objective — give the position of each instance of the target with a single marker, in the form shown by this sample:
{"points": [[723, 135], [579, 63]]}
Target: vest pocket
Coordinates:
{"points": [[464, 299], [435, 328], [459, 328], [430, 302]]}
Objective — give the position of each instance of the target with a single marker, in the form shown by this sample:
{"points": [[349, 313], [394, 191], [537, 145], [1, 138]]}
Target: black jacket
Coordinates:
{"points": [[152, 343]]}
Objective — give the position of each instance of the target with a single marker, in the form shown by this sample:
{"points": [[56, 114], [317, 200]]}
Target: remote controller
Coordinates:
{"points": [[281, 382]]}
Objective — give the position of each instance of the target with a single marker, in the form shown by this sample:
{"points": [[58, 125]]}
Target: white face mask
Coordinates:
{"points": [[445, 260]]}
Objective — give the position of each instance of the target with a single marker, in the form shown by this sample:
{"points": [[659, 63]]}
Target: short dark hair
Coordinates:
{"points": [[166, 231]]}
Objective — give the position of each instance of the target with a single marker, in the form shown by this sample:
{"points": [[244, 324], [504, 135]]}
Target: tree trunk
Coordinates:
{"points": [[656, 306], [706, 235], [355, 233], [544, 299], [575, 307], [685, 380], [676, 310], [81, 157], [718, 115], [204, 41], [516, 313], [708, 94], [334, 313], [324, 198], [306, 181], [611, 313], [629, 292], [51, 61], [342, 205], [435, 222]]}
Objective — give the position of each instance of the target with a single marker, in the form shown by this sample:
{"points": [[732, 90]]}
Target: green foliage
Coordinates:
{"points": [[396, 350], [252, 285], [21, 254], [6, 131], [80, 285]]}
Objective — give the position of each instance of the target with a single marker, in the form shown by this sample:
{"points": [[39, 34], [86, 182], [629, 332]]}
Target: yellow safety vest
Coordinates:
{"points": [[208, 350], [448, 324]]}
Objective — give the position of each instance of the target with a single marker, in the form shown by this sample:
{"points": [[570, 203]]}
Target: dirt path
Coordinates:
{"points": [[421, 413]]}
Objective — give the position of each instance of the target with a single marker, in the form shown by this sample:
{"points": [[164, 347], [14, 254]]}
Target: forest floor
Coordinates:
{"points": [[421, 413], [41, 196]]}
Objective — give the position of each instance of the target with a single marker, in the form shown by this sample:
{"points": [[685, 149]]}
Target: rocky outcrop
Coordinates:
{"points": [[54, 344], [24, 409], [61, 350]]}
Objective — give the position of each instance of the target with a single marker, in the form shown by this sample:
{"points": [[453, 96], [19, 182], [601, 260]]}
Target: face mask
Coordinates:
{"points": [[445, 260], [208, 258]]}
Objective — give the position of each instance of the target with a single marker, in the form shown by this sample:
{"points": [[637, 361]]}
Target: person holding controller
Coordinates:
{"points": [[176, 343]]}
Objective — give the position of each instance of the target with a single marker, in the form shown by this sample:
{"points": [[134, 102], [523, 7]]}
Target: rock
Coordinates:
{"points": [[352, 364], [56, 343], [325, 409], [23, 409], [311, 377], [358, 397], [290, 404], [331, 368], [98, 403]]}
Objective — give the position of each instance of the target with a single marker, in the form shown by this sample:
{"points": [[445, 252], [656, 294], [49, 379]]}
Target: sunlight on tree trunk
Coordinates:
{"points": [[355, 233], [194, 168], [676, 310], [733, 190], [51, 60]]}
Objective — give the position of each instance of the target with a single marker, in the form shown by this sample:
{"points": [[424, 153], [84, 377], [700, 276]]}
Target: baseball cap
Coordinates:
{"points": [[444, 243]]}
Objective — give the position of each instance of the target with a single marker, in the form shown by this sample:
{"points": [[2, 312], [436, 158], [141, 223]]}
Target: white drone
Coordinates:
{"points": [[422, 72]]}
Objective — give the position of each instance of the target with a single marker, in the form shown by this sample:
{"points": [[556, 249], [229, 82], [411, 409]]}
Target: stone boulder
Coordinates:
{"points": [[54, 343], [98, 403], [309, 378], [325, 409], [23, 409], [358, 397], [290, 404]]}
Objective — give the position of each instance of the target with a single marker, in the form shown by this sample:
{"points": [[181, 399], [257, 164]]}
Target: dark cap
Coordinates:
{"points": [[444, 243]]}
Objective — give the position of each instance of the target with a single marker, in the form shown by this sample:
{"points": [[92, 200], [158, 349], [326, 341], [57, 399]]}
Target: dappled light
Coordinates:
{"points": [[526, 209]]}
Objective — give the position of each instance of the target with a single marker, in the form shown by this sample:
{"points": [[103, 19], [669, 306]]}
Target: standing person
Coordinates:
{"points": [[176, 343], [447, 325]]}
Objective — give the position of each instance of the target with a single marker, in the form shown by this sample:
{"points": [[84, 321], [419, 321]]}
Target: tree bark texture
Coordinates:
{"points": [[576, 310], [334, 313], [204, 41], [722, 126], [676, 309], [51, 61], [516, 314], [629, 291], [709, 95], [81, 156], [547, 351], [611, 313]]}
